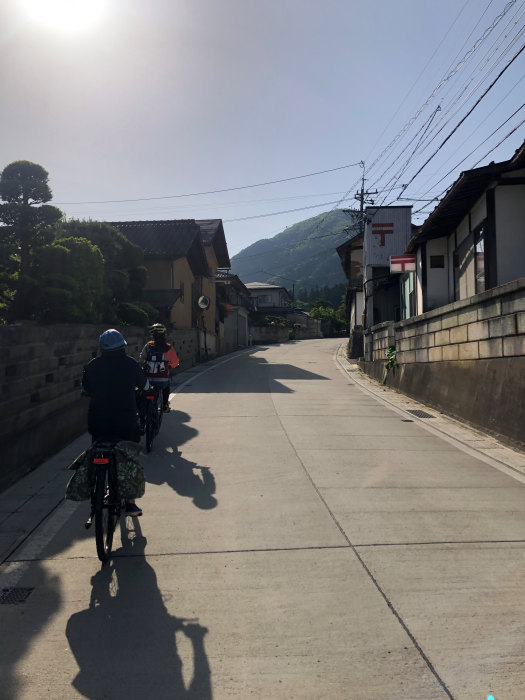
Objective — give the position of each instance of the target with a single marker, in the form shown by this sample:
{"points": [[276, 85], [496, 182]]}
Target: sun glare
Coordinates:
{"points": [[65, 15]]}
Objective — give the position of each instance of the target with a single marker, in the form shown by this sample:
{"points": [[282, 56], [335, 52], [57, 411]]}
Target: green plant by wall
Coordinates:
{"points": [[391, 361]]}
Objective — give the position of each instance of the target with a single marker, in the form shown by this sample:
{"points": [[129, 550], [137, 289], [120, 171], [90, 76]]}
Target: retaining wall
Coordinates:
{"points": [[466, 359]]}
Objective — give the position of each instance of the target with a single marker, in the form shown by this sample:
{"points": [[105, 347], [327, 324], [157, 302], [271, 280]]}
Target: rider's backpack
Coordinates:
{"points": [[155, 366]]}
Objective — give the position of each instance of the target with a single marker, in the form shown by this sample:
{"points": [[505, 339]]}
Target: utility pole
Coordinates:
{"points": [[362, 197]]}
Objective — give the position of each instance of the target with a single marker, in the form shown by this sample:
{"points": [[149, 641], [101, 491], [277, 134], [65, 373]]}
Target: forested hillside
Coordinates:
{"points": [[303, 255]]}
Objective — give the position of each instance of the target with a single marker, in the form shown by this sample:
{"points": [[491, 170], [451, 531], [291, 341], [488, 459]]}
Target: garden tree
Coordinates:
{"points": [[27, 225], [124, 275], [24, 190], [69, 276], [336, 318]]}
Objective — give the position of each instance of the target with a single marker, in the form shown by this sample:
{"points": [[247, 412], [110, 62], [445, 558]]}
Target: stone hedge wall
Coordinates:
{"points": [[41, 408]]}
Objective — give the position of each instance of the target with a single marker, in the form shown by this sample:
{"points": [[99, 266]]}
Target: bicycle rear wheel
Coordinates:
{"points": [[159, 412], [105, 517], [150, 425]]}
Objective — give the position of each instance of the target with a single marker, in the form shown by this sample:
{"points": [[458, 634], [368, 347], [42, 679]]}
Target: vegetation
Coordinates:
{"points": [[56, 271], [303, 254]]}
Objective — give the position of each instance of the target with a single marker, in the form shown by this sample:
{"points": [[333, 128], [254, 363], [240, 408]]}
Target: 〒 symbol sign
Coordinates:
{"points": [[382, 230], [402, 263]]}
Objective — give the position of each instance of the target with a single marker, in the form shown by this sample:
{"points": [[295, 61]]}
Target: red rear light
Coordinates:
{"points": [[100, 460], [150, 397]]}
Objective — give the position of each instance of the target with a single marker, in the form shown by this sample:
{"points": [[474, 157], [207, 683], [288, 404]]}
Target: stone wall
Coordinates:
{"points": [[263, 335], [41, 408], [466, 359]]}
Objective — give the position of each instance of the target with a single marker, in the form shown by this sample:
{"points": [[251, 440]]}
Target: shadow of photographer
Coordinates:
{"points": [[125, 642]]}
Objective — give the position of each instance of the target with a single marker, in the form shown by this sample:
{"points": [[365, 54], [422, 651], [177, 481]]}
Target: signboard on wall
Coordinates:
{"points": [[387, 232], [402, 263]]}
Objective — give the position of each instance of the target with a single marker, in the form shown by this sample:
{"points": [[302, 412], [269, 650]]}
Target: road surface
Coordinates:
{"points": [[306, 534]]}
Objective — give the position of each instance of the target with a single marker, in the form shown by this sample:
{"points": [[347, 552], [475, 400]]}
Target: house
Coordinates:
{"points": [[387, 232], [269, 297], [272, 300], [460, 344], [373, 293], [217, 256], [351, 255], [474, 240], [233, 309], [177, 264]]}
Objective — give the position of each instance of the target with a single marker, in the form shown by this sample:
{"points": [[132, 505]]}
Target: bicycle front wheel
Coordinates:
{"points": [[105, 518]]}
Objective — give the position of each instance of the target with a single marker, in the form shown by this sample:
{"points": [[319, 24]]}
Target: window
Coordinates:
{"points": [[264, 299], [437, 261], [479, 257]]}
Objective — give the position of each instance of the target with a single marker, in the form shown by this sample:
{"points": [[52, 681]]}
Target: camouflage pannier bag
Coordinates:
{"points": [[130, 475]]}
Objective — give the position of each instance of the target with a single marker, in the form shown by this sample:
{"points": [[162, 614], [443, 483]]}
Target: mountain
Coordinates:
{"points": [[303, 254]]}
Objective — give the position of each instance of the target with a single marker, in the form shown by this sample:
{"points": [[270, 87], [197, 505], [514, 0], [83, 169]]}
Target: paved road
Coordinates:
{"points": [[304, 536]]}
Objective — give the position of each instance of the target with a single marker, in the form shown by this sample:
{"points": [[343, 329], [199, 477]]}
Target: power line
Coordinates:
{"points": [[287, 211], [226, 189], [466, 115], [445, 79]]}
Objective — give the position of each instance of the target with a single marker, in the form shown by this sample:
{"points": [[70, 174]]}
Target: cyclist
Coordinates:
{"points": [[110, 381], [158, 358]]}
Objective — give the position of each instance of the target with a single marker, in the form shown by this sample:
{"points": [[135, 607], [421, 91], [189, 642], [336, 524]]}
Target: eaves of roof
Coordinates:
{"points": [[225, 278], [462, 196], [212, 232], [354, 242]]}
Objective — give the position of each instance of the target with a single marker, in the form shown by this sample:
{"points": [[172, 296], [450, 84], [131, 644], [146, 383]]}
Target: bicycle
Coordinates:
{"points": [[106, 504], [152, 414]]}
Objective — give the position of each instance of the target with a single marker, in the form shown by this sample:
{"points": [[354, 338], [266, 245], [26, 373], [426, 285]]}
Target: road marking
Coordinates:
{"points": [[197, 374], [11, 572]]}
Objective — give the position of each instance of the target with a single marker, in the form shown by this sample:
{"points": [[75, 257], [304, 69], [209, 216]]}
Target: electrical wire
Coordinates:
{"points": [[445, 79], [467, 114], [226, 189]]}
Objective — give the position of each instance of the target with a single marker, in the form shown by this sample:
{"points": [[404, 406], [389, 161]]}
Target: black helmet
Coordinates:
{"points": [[158, 329]]}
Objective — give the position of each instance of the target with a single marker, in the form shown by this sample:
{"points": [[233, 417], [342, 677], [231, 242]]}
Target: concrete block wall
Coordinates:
{"points": [[269, 334], [378, 340], [41, 408], [489, 325], [466, 359]]}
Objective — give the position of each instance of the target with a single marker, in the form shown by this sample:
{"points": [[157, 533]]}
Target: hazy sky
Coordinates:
{"points": [[156, 98]]}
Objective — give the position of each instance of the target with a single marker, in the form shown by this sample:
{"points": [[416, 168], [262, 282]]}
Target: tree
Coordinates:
{"points": [[70, 275], [24, 190], [28, 225]]}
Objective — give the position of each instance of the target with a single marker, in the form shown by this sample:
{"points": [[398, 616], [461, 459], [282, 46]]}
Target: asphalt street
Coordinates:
{"points": [[306, 534]]}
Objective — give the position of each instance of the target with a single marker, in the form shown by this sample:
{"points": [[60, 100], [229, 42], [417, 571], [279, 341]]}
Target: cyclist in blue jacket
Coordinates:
{"points": [[110, 382]]}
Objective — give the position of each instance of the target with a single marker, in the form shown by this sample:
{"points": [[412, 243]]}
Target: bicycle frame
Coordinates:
{"points": [[152, 414]]}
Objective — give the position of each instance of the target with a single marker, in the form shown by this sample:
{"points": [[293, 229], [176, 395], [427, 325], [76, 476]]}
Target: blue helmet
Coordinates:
{"points": [[111, 340]]}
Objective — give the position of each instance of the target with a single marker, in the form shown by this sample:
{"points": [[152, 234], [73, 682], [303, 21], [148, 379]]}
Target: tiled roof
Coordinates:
{"points": [[262, 285], [172, 239]]}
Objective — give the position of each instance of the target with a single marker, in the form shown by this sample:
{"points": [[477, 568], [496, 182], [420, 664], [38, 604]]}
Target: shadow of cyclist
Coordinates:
{"points": [[125, 641], [187, 478]]}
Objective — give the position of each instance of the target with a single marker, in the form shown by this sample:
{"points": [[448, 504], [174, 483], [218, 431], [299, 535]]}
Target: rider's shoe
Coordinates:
{"points": [[133, 509], [166, 408]]}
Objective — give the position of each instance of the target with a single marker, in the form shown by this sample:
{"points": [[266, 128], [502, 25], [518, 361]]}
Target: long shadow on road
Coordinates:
{"points": [[253, 375], [125, 641]]}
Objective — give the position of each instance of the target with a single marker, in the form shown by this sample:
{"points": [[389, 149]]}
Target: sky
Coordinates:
{"points": [[186, 109]]}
